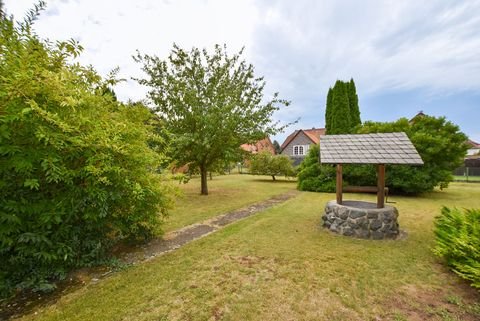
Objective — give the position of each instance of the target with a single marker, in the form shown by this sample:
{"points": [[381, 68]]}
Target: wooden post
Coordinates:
{"points": [[380, 186], [339, 184]]}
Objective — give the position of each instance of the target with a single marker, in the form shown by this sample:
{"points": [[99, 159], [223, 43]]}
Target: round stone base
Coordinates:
{"points": [[361, 219]]}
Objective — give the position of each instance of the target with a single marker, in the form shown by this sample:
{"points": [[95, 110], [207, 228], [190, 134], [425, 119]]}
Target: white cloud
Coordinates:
{"points": [[111, 31], [301, 47]]}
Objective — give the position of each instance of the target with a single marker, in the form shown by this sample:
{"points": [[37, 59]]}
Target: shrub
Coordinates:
{"points": [[438, 141], [315, 177], [76, 170], [265, 163], [458, 242]]}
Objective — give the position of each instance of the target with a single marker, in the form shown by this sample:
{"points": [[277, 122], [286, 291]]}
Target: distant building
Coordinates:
{"points": [[473, 148], [420, 114], [297, 144], [260, 146]]}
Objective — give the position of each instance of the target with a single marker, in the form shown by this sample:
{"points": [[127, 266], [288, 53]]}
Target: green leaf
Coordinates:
{"points": [[32, 183]]}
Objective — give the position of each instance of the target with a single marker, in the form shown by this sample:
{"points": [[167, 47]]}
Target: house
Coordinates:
{"points": [[260, 146], [473, 148], [298, 143]]}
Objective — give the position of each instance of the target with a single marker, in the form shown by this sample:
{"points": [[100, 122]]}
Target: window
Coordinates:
{"points": [[300, 150]]}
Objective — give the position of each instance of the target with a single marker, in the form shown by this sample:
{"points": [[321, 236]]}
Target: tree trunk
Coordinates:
{"points": [[273, 176], [211, 176], [203, 173]]}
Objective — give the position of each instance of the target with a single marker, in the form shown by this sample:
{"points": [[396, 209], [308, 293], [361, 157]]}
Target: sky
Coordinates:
{"points": [[405, 56]]}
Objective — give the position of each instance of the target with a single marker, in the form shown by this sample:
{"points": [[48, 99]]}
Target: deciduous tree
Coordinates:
{"points": [[440, 144], [211, 103], [265, 163]]}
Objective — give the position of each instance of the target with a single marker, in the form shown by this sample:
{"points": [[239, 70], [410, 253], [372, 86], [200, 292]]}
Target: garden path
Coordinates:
{"points": [[174, 240]]}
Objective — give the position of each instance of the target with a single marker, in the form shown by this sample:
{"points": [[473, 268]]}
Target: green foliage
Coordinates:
{"points": [[315, 177], [76, 172], [328, 110], [458, 242], [342, 113], [278, 149], [265, 163], [353, 104], [211, 103], [438, 141]]}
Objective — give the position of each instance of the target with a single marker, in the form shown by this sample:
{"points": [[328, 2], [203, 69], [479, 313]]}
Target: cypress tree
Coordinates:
{"points": [[353, 102], [328, 111], [340, 120], [342, 113]]}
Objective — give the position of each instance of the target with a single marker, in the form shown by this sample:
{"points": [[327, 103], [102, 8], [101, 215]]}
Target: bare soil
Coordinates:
{"points": [[449, 302]]}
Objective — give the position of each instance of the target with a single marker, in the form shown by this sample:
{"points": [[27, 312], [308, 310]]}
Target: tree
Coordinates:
{"points": [[440, 144], [353, 103], [2, 12], [328, 111], [277, 147], [342, 114], [265, 163], [76, 171], [211, 103]]}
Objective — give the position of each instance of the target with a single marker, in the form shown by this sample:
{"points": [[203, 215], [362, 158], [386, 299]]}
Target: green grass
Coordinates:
{"points": [[464, 178], [226, 193], [280, 265]]}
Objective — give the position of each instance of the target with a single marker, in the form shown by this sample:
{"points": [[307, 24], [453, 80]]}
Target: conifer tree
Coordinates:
{"points": [[342, 113], [328, 111], [353, 101]]}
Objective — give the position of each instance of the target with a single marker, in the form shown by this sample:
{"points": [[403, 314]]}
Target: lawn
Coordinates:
{"points": [[227, 192], [280, 265], [465, 178]]}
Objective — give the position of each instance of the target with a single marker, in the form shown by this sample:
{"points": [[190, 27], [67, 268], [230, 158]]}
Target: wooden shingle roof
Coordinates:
{"points": [[381, 148]]}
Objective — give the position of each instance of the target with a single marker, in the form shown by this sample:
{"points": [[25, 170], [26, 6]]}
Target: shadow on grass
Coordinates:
{"points": [[277, 180]]}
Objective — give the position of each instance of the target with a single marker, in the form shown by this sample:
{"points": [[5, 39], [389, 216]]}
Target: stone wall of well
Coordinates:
{"points": [[363, 221]]}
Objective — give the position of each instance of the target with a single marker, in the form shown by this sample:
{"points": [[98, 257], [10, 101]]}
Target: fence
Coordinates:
{"points": [[465, 173]]}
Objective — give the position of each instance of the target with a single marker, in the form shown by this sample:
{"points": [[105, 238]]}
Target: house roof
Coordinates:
{"points": [[313, 134], [473, 144], [257, 146], [382, 148]]}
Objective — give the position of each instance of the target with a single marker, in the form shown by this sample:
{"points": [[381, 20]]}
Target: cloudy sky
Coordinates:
{"points": [[405, 56]]}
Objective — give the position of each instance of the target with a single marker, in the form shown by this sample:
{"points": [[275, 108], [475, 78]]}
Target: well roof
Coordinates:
{"points": [[381, 148]]}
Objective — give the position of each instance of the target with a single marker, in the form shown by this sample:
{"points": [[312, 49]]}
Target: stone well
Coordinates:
{"points": [[361, 219]]}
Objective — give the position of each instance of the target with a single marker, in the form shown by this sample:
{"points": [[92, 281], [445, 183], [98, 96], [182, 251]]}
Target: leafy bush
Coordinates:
{"points": [[458, 242], [315, 177], [440, 144], [265, 163], [76, 171]]}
